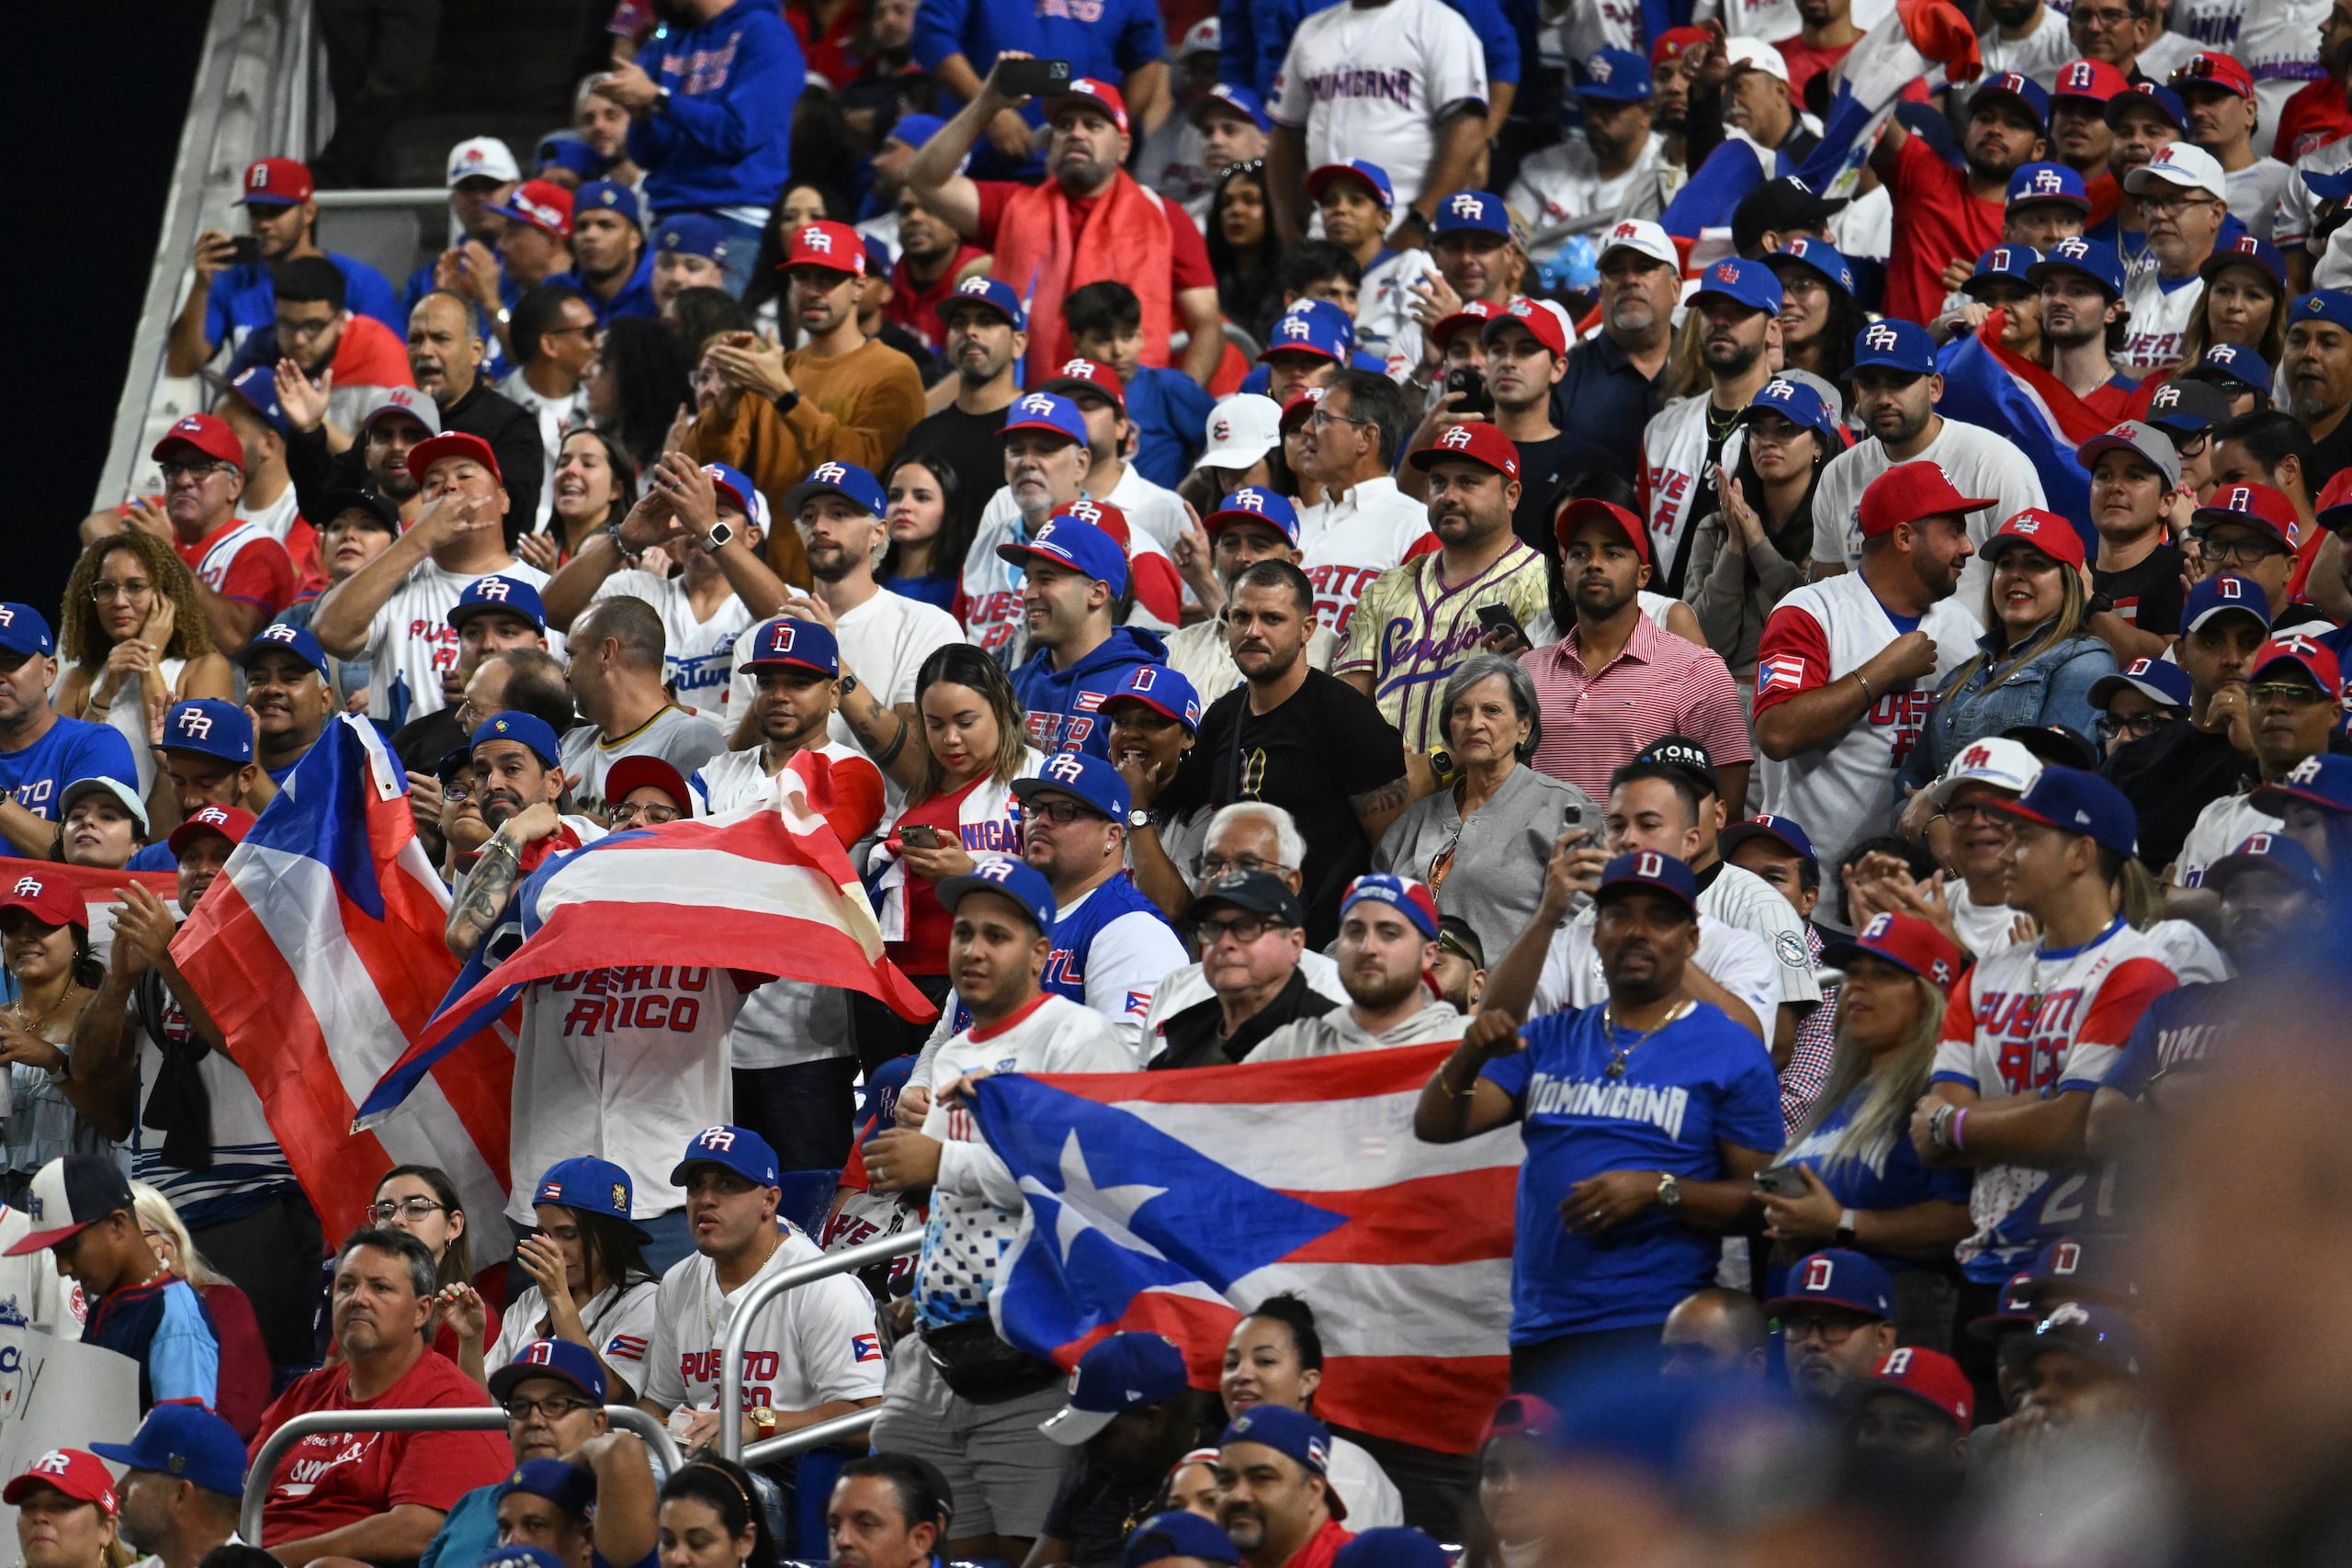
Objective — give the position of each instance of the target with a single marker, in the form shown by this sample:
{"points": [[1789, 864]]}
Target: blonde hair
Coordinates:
{"points": [[1895, 1081], [156, 1209], [2074, 608]]}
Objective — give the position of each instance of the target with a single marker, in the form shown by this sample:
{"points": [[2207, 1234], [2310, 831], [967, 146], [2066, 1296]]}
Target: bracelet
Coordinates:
{"points": [[1939, 1125], [1865, 685], [1958, 1122], [498, 842]]}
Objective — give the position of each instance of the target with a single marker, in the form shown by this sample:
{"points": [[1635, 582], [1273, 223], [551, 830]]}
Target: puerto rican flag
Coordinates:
{"points": [[1782, 672], [1931, 42], [1987, 384], [98, 886], [1175, 1201]]}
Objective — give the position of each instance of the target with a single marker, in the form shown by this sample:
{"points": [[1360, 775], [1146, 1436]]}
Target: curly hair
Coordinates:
{"points": [[79, 635]]}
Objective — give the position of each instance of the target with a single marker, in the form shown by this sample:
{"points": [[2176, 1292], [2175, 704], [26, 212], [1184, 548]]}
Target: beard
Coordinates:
{"points": [[1731, 358]]}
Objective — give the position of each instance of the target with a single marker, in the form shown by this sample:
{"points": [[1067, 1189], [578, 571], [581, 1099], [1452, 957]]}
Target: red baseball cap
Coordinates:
{"points": [[78, 1474], [276, 182], [1537, 318], [2045, 531], [2258, 505], [47, 896], [451, 443], [2092, 79], [1673, 42], [204, 432], [1302, 403], [1090, 375], [1099, 97], [1480, 443], [1932, 1378], [632, 773], [1104, 515], [1478, 313], [1905, 493], [2312, 657], [1521, 1415], [833, 246], [1578, 510], [542, 204], [2213, 69], [231, 822], [1907, 942]]}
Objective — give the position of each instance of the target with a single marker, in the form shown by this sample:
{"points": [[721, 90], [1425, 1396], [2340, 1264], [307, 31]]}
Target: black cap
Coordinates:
{"points": [[1686, 756], [1783, 204], [335, 503], [1460, 937], [2054, 743], [1260, 891], [2187, 407]]}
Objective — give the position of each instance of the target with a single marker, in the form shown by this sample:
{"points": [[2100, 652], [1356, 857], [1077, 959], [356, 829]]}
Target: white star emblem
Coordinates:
{"points": [[1109, 1210]]}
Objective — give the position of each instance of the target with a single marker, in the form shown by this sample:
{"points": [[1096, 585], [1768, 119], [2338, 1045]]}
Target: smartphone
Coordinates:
{"points": [[1472, 385], [1498, 618], [245, 250], [1031, 78], [921, 835], [1782, 1182]]}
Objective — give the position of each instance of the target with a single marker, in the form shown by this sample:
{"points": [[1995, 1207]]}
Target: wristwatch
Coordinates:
{"points": [[1846, 1219], [763, 1421], [1138, 817], [1669, 1191], [721, 533], [1441, 764]]}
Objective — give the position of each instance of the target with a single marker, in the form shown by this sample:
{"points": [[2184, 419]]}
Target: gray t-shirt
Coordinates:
{"points": [[677, 737]]}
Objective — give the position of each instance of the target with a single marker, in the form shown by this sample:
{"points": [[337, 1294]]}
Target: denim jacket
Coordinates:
{"points": [[2053, 687]]}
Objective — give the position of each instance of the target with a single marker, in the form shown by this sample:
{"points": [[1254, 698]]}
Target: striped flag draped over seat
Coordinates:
{"points": [[1176, 1201]]}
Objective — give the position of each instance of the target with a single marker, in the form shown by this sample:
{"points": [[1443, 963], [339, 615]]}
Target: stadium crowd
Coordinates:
{"points": [[1293, 531]]}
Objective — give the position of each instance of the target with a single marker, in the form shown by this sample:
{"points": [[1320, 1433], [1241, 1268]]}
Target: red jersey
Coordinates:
{"points": [[370, 354], [2315, 117], [915, 306], [1940, 220], [1188, 260], [1322, 1547], [240, 560]]}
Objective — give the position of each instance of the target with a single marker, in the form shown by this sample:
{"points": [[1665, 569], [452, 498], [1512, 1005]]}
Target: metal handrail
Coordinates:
{"points": [[762, 1295], [823, 1435], [467, 1418], [406, 195]]}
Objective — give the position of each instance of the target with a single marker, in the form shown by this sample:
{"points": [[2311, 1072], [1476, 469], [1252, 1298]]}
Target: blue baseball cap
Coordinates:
{"points": [[988, 291], [187, 1443], [1044, 410], [2048, 182], [1471, 210], [2218, 594], [525, 729], [1179, 1533], [455, 761], [258, 387], [692, 234], [1838, 1276], [1315, 327], [2162, 98], [2330, 305], [1748, 283], [735, 485], [1118, 1373], [1614, 75], [737, 1149], [2247, 250], [1234, 100], [2329, 186], [512, 594], [565, 1484], [284, 637], [558, 1358], [1160, 688], [587, 1185], [24, 629], [1392, 1546], [1783, 831], [1255, 503], [1023, 884], [786, 643], [2105, 1334], [914, 130], [1800, 404], [1371, 174], [2012, 263], [210, 728], [609, 196], [878, 262], [2075, 801], [2324, 780], [1092, 779], [1659, 873], [2011, 84], [2274, 851], [1292, 1433], [1820, 256], [847, 481], [2096, 259], [2226, 364], [1895, 344], [2160, 682], [1068, 540], [1405, 895]]}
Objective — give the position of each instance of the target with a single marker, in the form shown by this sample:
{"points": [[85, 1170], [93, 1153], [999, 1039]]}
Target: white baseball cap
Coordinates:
{"points": [[1997, 761], [1204, 38], [481, 157], [1242, 429], [1754, 54], [2185, 165], [1639, 234]]}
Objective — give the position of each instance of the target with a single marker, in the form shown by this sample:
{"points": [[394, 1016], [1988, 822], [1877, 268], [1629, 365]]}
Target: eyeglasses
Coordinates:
{"points": [[456, 795], [1828, 1330], [1971, 811], [1245, 930], [1210, 867], [2102, 17], [1061, 812], [2285, 694], [191, 469], [1323, 419], [414, 1208], [2139, 726], [2246, 552], [657, 811], [104, 593], [2173, 199], [302, 331], [555, 1407]]}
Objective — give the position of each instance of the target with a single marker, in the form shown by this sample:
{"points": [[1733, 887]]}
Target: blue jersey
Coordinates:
{"points": [[1885, 1175], [164, 1326], [1698, 1084], [68, 750], [2192, 1029], [1103, 39], [1064, 705], [1171, 413], [242, 301], [156, 856]]}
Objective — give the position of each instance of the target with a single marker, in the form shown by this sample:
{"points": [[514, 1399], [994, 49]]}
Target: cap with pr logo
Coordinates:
{"points": [[737, 1149]]}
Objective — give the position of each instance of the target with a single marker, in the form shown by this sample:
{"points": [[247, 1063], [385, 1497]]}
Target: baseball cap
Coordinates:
{"points": [[258, 387], [1482, 442], [914, 130], [481, 158], [1260, 892], [1392, 1546], [2024, 89], [1255, 503], [1800, 404], [2093, 79], [231, 822], [787, 643], [1162, 689], [2275, 851], [1240, 430], [2330, 305], [2003, 263], [878, 260], [1747, 283], [2220, 593], [2323, 779], [610, 196], [825, 243], [448, 445], [1467, 210], [99, 784], [2306, 655], [2013, 1310], [511, 595], [1289, 1432], [2095, 259], [1614, 75], [1930, 1377], [1240, 101], [1659, 873], [565, 1484], [1099, 97], [2246, 249], [543, 204], [2182, 163], [1536, 317], [2076, 801], [1994, 760], [1407, 897], [1818, 256], [2209, 68], [1910, 492], [1370, 174], [2153, 446], [586, 1184], [1686, 756], [1784, 831], [2163, 683], [1907, 942], [1070, 541], [733, 484], [692, 234], [2188, 405], [1179, 1532], [48, 897], [276, 182], [207, 435], [1118, 1373], [1780, 205], [1315, 327], [989, 291], [384, 401], [1077, 375], [76, 1473], [849, 481], [1670, 43], [2044, 531], [380, 512], [1754, 54], [2048, 182], [1579, 510], [70, 1194], [24, 629], [1043, 410], [2227, 369], [1473, 314], [2057, 744], [1092, 780], [293, 639], [2257, 506], [1024, 885], [2149, 95], [1522, 1415], [1895, 344], [1643, 235], [187, 1443], [212, 728], [1302, 403], [1838, 1276], [532, 733], [632, 773], [2105, 1334], [737, 1149]]}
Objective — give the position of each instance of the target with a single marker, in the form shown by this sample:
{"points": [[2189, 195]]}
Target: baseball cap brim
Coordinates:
{"points": [[1069, 1425], [1781, 1303], [2106, 686], [39, 1241]]}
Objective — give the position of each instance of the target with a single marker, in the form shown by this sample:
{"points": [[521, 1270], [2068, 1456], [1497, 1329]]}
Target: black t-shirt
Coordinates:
{"points": [[973, 444], [2328, 457], [2148, 596], [1545, 469], [2171, 776], [1094, 1510], [1309, 756]]}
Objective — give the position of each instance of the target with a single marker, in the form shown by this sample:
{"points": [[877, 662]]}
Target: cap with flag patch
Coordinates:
{"points": [[2036, 529], [76, 1473], [541, 204], [47, 896], [2162, 684], [849, 481], [1241, 429], [1024, 885], [1089, 94], [1291, 1433], [786, 643], [1468, 211], [835, 247], [1255, 503], [1894, 344], [509, 595], [2075, 801], [2221, 595], [212, 728], [1838, 1276], [988, 292], [2304, 655], [2096, 259], [206, 435], [1743, 283], [1071, 542], [1910, 492], [527, 730], [2324, 780], [1784, 831], [1090, 781], [70, 1194], [1371, 176], [231, 822], [1906, 941], [1119, 1372], [587, 1185], [1930, 1377], [1482, 442], [1044, 412], [2048, 182], [1407, 897], [1085, 376], [737, 1149], [1160, 688], [1655, 871], [276, 182], [2255, 506], [1319, 328]]}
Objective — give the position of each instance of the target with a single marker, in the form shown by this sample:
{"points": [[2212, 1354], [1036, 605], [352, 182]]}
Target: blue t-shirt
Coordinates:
{"points": [[932, 588], [1699, 1083], [1170, 412], [2192, 1029], [1887, 1176], [242, 300], [156, 856], [67, 750], [635, 297], [1103, 40], [164, 1326]]}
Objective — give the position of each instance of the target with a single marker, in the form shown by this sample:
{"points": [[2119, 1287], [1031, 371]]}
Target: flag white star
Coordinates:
{"points": [[1082, 1206]]}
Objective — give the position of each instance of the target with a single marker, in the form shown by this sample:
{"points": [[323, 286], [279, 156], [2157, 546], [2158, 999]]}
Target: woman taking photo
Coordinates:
{"points": [[590, 1283], [595, 483], [132, 642], [1482, 846], [1747, 554], [45, 942], [1276, 1357], [1241, 248], [929, 531]]}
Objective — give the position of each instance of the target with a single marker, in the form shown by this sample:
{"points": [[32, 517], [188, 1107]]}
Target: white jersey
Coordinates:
{"points": [[811, 1345], [1354, 538], [33, 1294], [276, 519], [1845, 792], [1976, 461], [1372, 83], [992, 586], [619, 1324], [883, 642], [2222, 827], [410, 642], [1384, 302], [976, 1204], [1674, 465], [2254, 194], [212, 568], [555, 415], [683, 739], [697, 657], [1564, 181], [2162, 310], [1984, 929], [2298, 203], [2039, 54], [2031, 1021], [734, 779], [2167, 52], [1745, 901], [1773, 20], [1372, 1501], [1737, 961], [1189, 987], [2276, 40]]}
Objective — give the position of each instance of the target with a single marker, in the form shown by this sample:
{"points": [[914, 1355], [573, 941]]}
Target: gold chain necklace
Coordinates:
{"points": [[1618, 1053]]}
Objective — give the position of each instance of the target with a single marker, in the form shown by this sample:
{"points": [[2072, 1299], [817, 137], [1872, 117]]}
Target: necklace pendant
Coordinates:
{"points": [[1616, 1068]]}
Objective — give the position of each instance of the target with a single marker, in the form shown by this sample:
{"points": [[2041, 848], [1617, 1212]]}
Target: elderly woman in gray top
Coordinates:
{"points": [[1482, 845]]}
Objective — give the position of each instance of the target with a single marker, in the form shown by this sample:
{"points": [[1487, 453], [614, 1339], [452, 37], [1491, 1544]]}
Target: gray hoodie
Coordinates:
{"points": [[1337, 1032]]}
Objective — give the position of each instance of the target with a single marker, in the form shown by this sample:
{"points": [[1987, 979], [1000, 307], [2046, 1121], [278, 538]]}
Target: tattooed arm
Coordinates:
{"points": [[1376, 809], [482, 896]]}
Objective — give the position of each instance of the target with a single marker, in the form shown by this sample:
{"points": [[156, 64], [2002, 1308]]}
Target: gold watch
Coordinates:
{"points": [[763, 1421]]}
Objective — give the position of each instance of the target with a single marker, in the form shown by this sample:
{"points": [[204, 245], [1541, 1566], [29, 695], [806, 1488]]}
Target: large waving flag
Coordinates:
{"points": [[319, 952], [1176, 1202], [767, 888], [1932, 39], [1989, 384], [98, 887]]}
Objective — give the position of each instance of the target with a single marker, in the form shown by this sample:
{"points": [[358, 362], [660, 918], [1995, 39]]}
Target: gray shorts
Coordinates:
{"points": [[1002, 1470]]}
